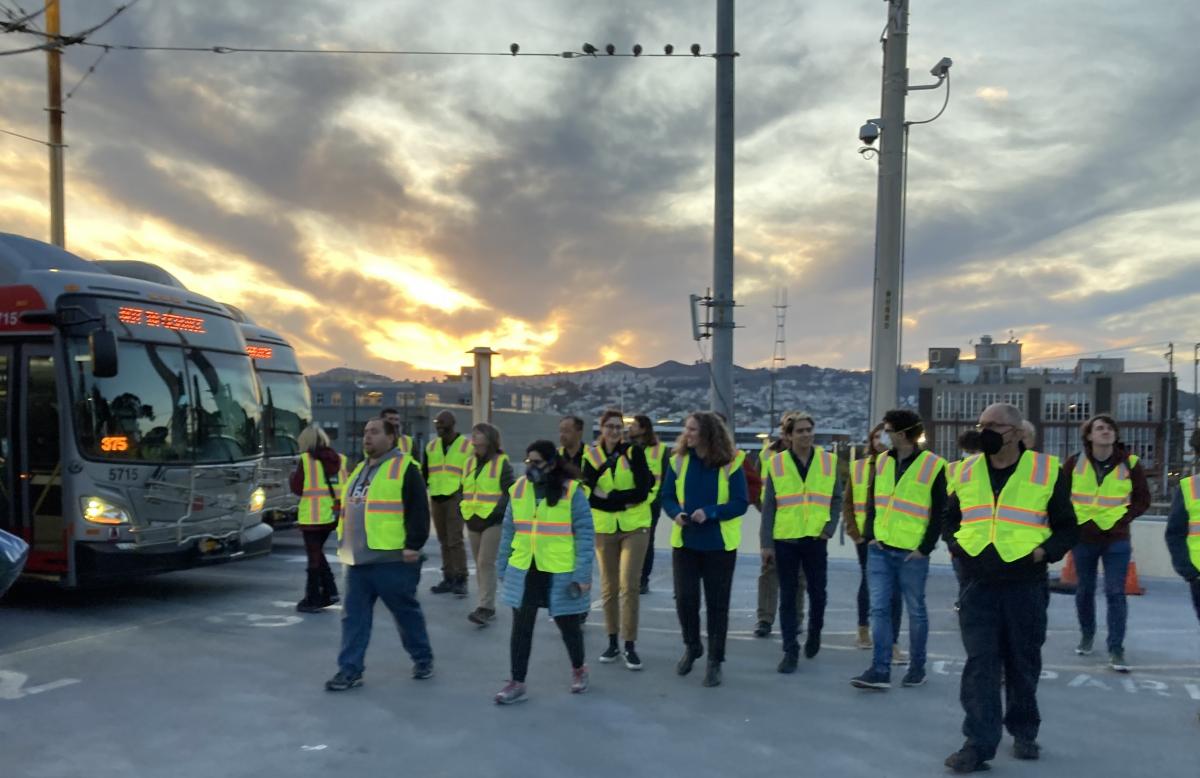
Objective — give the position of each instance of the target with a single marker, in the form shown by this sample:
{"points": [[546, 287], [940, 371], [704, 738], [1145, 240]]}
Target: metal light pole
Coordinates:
{"points": [[889, 204], [722, 295], [1169, 416], [54, 109]]}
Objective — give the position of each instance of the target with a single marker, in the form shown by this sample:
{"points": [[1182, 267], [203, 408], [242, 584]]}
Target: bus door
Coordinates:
{"points": [[10, 509], [39, 463]]}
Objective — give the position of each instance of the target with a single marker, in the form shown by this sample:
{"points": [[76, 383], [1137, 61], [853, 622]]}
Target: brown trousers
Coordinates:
{"points": [[621, 555], [768, 594], [448, 522], [484, 547]]}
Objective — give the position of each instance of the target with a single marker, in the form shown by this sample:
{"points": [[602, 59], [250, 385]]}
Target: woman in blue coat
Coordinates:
{"points": [[545, 561]]}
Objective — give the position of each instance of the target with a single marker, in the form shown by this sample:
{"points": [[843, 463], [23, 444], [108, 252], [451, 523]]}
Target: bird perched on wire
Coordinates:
{"points": [[514, 48], [637, 49], [668, 49], [695, 49], [589, 49], [610, 49]]}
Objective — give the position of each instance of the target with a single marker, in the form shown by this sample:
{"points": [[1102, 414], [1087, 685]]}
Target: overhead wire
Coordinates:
{"points": [[222, 49]]}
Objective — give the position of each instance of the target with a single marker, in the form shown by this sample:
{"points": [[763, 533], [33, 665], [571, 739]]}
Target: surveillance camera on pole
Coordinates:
{"points": [[869, 132], [942, 68]]}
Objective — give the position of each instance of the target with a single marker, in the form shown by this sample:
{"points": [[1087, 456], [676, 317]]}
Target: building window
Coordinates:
{"points": [[370, 398], [1057, 441], [319, 399], [335, 398], [1140, 441], [1135, 406], [1054, 405]]}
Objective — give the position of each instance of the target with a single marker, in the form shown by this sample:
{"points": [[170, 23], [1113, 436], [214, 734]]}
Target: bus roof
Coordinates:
{"points": [[50, 271]]}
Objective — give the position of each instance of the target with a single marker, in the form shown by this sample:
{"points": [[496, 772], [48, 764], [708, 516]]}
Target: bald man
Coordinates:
{"points": [[445, 462]]}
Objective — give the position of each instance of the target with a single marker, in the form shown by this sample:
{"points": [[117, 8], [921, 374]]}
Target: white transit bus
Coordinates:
{"points": [[130, 422]]}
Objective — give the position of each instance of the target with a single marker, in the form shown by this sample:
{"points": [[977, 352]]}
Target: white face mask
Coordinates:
{"points": [[885, 440]]}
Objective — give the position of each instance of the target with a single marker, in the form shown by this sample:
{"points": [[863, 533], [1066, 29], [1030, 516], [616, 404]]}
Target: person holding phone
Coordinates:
{"points": [[545, 561], [704, 493]]}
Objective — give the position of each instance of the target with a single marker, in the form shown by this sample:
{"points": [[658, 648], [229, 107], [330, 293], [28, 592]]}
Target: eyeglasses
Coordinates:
{"points": [[535, 461], [991, 425]]}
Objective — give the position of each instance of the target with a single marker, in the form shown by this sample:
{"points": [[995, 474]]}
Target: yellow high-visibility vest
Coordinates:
{"points": [[446, 467], [902, 509], [316, 499], [1102, 502], [1017, 521], [481, 487], [860, 482], [543, 532], [731, 529], [617, 478], [384, 514], [802, 504], [1190, 488], [654, 460]]}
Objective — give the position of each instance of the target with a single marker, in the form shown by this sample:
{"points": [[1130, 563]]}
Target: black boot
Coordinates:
{"points": [[312, 593], [459, 587], [329, 590], [445, 587], [712, 676]]}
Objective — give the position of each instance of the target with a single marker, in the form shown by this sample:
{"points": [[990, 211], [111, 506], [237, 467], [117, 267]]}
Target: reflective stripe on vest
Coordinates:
{"points": [[1190, 488], [731, 529], [802, 504], [860, 482], [654, 460], [952, 475], [902, 509], [404, 443], [617, 478], [1102, 502], [542, 532], [316, 500], [1016, 522], [384, 514], [446, 468], [481, 487]]}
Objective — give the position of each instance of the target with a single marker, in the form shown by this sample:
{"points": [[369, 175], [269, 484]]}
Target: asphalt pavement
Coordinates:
{"points": [[211, 672]]}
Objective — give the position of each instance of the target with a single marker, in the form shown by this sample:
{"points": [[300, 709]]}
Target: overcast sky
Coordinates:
{"points": [[392, 212]]}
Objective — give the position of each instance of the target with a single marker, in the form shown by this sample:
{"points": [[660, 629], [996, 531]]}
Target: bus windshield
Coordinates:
{"points": [[168, 403], [286, 411]]}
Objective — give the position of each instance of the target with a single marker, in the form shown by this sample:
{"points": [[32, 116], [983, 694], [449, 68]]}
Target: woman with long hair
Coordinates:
{"points": [[704, 493], [620, 482], [486, 480], [1108, 491], [545, 561], [317, 480], [642, 435]]}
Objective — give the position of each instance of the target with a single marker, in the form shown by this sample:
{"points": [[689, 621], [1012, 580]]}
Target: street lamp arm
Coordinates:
{"points": [[945, 102]]}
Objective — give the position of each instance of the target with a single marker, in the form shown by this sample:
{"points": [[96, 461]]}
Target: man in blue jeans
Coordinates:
{"points": [[384, 524], [905, 502]]}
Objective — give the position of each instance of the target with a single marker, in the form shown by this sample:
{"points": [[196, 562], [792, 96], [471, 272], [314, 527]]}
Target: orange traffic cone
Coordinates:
{"points": [[1131, 580], [1068, 579]]}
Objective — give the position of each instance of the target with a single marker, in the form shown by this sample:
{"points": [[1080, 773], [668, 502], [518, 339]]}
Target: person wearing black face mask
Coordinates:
{"points": [[1009, 516], [545, 561]]}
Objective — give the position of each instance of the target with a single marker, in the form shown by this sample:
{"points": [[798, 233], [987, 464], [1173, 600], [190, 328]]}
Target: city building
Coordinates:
{"points": [[954, 390]]}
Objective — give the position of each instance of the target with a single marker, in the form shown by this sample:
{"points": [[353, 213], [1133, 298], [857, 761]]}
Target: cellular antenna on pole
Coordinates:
{"points": [[779, 357]]}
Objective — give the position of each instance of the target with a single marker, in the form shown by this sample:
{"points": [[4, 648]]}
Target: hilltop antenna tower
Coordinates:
{"points": [[779, 357]]}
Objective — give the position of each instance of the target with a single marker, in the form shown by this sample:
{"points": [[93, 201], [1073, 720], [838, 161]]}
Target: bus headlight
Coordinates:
{"points": [[99, 511], [258, 498]]}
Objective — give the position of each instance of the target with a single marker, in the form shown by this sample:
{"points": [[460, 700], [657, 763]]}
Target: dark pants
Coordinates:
{"points": [[864, 595], [314, 544], [648, 565], [811, 555], [520, 643], [396, 584], [715, 570], [1116, 557], [1003, 628], [1196, 596]]}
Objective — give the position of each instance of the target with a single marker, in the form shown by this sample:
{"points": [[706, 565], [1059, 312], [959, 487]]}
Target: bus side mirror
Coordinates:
{"points": [[103, 347]]}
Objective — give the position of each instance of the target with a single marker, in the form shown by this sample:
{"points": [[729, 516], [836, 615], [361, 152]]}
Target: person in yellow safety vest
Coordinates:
{"points": [[1010, 516], [545, 561], [1183, 530], [1109, 490], [641, 434], [445, 461], [802, 501], [385, 522], [704, 493], [620, 482], [968, 446], [570, 440], [768, 577], [905, 501], [854, 516], [317, 480], [488, 477], [403, 442]]}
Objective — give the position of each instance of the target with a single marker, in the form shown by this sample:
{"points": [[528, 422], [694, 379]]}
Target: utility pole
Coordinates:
{"points": [[1169, 415], [889, 204], [722, 295], [58, 233], [779, 358]]}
